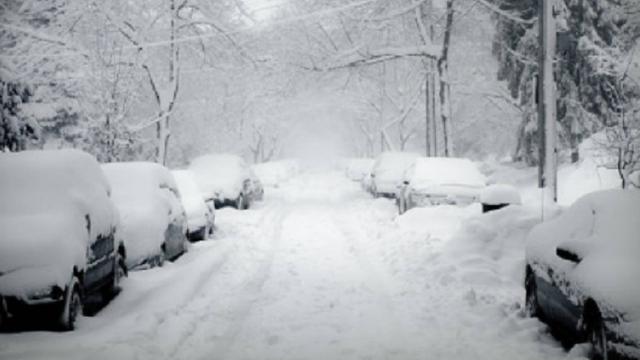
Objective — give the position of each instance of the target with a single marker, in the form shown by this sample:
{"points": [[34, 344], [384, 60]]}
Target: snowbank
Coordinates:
{"points": [[54, 205], [147, 197], [220, 176], [192, 199]]}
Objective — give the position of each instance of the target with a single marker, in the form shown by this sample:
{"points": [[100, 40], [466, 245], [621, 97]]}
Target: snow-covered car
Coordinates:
{"points": [[154, 223], [388, 171], [256, 186], [273, 173], [200, 213], [358, 169], [225, 178], [57, 236], [436, 181], [497, 196], [582, 272]]}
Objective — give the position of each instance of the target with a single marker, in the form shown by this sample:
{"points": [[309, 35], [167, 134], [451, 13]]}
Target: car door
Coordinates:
{"points": [[554, 298], [100, 261], [174, 234]]}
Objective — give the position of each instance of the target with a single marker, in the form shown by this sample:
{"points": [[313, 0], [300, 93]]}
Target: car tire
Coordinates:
{"points": [[597, 337], [531, 304], [72, 307]]}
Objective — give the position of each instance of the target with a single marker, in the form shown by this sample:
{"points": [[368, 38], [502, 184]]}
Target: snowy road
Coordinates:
{"points": [[317, 271]]}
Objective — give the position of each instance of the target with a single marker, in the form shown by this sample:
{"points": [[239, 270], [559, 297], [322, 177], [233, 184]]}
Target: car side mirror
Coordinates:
{"points": [[567, 254]]}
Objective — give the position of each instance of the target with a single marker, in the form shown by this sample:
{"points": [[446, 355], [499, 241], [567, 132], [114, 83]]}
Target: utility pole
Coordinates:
{"points": [[548, 155]]}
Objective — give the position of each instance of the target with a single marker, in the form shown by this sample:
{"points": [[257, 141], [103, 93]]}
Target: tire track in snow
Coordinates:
{"points": [[247, 292]]}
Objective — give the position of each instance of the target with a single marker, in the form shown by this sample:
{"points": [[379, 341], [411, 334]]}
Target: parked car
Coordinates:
{"points": [[387, 173], [154, 223], [496, 196], [57, 236], [358, 169], [256, 186], [435, 181], [273, 173], [200, 213], [227, 179], [582, 273]]}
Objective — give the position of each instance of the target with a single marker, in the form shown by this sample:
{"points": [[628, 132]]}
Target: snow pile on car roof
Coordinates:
{"points": [[603, 228], [447, 171], [192, 198], [141, 191], [54, 204], [219, 175]]}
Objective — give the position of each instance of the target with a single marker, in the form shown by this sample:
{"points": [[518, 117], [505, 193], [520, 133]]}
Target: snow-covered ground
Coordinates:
{"points": [[320, 270]]}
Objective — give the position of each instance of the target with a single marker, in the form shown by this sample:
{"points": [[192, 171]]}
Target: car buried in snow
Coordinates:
{"points": [[200, 213], [154, 222], [273, 173], [440, 181], [58, 245], [358, 169], [227, 179], [582, 273], [387, 173]]}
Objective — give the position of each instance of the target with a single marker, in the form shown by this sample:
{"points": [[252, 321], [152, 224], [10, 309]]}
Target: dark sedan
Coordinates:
{"points": [[582, 273]]}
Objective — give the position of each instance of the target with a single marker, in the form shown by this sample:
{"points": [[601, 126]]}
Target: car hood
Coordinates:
{"points": [[45, 240]]}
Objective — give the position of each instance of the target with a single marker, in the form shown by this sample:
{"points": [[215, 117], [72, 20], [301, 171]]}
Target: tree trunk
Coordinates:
{"points": [[443, 72], [163, 126]]}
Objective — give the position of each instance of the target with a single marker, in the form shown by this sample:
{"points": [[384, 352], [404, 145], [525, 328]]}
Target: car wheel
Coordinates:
{"points": [[597, 338], [531, 305], [119, 273], [72, 306]]}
